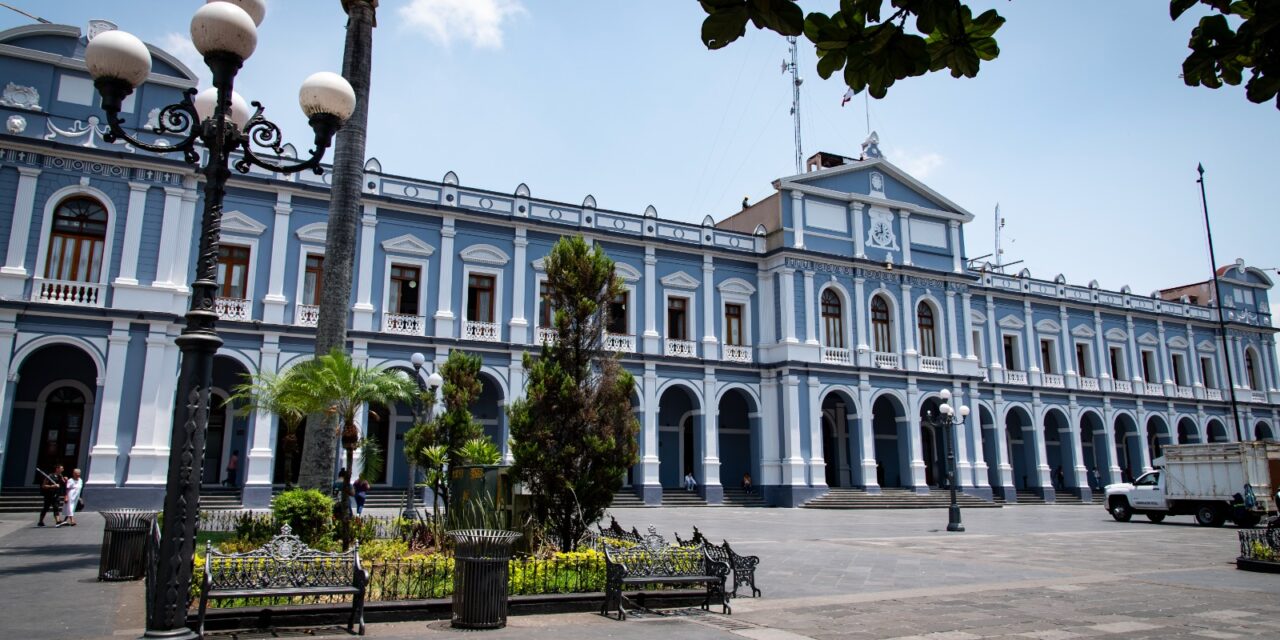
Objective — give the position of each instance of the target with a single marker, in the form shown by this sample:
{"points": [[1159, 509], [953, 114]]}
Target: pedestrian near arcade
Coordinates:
{"points": [[72, 503], [233, 463], [52, 488]]}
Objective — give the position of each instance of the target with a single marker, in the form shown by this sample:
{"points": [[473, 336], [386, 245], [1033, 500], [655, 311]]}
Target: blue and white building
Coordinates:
{"points": [[798, 340]]}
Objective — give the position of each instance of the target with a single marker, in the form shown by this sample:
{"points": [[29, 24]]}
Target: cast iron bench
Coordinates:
{"points": [[744, 567], [654, 562], [284, 567]]}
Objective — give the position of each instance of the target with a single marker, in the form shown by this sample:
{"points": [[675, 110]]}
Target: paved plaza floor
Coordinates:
{"points": [[1032, 571]]}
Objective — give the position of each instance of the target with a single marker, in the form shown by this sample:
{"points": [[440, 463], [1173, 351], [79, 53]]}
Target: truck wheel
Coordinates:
{"points": [[1209, 515], [1156, 517], [1120, 510], [1248, 520]]}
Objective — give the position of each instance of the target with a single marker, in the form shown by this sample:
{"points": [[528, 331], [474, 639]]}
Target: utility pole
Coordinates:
{"points": [[796, 81], [1217, 302]]}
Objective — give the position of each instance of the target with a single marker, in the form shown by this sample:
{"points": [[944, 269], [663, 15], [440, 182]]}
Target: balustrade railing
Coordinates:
{"points": [[306, 315], [886, 360], [930, 364], [1055, 381], [403, 324], [1089, 384], [836, 355], [1213, 394], [1123, 386], [735, 353], [1259, 396], [80, 294], [1015, 377], [1186, 392], [619, 343], [985, 373], [682, 348], [232, 309], [481, 331], [546, 335], [1152, 389]]}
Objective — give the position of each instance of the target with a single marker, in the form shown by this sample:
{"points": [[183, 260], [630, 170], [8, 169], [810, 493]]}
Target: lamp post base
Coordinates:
{"points": [[953, 519], [171, 634]]}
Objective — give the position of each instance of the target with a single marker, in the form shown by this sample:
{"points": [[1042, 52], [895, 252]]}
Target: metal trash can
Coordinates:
{"points": [[480, 577], [124, 544]]}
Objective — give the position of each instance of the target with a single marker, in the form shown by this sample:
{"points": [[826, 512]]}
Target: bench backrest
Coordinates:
{"points": [[665, 561], [283, 563]]}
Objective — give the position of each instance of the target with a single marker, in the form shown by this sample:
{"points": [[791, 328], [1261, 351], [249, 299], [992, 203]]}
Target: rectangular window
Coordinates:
{"points": [[546, 315], [1117, 363], [312, 278], [1148, 366], [977, 345], [676, 319], [1011, 353], [1082, 360], [1177, 364], [404, 283], [619, 314], [233, 271], [733, 324], [1046, 356], [1206, 373], [480, 291]]}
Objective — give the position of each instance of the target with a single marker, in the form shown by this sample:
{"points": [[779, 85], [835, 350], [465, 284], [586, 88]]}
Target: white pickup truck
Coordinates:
{"points": [[1202, 480]]}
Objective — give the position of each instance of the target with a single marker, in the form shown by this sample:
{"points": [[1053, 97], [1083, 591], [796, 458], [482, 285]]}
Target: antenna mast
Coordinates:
{"points": [[796, 81], [999, 254]]}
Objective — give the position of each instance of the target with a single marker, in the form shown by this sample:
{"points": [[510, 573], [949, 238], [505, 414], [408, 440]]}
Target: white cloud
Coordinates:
{"points": [[478, 22], [919, 165], [182, 48]]}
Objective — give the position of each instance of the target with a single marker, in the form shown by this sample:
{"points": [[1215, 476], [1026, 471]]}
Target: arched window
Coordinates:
{"points": [[928, 332], [77, 240], [881, 325], [1251, 372], [832, 320]]}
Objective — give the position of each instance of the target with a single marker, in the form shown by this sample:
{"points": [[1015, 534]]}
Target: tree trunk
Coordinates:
{"points": [[320, 442]]}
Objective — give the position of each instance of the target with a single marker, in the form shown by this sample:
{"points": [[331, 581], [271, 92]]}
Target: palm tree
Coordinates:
{"points": [[344, 218], [276, 394], [334, 385]]}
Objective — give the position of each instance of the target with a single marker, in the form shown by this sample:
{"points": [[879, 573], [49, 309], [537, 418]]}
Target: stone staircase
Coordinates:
{"points": [[682, 498], [20, 500], [740, 498], [1026, 496], [626, 498], [843, 498], [220, 498]]}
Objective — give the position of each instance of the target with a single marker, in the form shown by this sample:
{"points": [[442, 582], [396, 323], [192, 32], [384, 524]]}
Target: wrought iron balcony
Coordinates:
{"points": [[306, 315], [481, 331], [836, 355], [237, 309], [735, 353], [682, 348], [403, 324]]}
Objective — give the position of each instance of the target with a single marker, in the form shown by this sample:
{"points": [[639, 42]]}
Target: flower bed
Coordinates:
{"points": [[1259, 550]]}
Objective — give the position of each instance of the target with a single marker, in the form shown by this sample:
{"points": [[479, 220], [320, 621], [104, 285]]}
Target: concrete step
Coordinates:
{"points": [[845, 498], [625, 498], [740, 498], [681, 498]]}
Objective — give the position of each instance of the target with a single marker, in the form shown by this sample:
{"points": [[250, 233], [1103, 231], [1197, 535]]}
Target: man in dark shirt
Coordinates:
{"points": [[52, 488]]}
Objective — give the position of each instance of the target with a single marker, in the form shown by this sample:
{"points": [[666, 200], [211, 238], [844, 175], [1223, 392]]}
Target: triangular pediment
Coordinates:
{"points": [[977, 318], [1178, 342], [539, 265], [1148, 339], [1048, 326], [314, 232], [1083, 331], [484, 254], [627, 272], [680, 280], [239, 224], [1011, 322], [1117, 334], [864, 176], [1206, 345], [408, 245], [736, 286]]}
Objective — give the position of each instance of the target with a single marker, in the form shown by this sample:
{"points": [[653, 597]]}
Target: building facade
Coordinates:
{"points": [[800, 340]]}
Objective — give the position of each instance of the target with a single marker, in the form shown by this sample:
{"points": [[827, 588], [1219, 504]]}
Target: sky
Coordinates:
{"points": [[1081, 130]]}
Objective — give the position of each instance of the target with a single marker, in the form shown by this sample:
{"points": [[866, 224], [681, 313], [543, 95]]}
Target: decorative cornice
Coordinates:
{"points": [[680, 280], [237, 223], [314, 232]]}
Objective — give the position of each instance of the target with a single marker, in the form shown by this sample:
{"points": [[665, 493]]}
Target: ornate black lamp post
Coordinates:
{"points": [[949, 419], [421, 414], [225, 33]]}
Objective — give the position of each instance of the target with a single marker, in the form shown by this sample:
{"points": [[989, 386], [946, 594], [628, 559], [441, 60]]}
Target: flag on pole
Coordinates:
{"points": [[848, 95]]}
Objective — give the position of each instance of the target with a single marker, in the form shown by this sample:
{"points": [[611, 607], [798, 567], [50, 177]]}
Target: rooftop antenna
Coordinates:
{"points": [[796, 81], [999, 253], [17, 10]]}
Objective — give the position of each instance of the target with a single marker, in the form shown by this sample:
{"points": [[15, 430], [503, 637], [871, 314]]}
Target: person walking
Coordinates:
{"points": [[52, 488], [74, 486], [233, 463], [362, 492], [746, 482]]}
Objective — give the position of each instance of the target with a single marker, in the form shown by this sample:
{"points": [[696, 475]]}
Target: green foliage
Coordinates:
{"points": [[477, 513], [1259, 550], [255, 529], [1221, 54], [574, 435], [481, 451], [372, 459], [277, 394], [456, 426], [336, 385], [306, 511], [573, 572]]}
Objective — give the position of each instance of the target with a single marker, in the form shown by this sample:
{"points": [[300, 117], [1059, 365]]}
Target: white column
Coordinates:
{"points": [[1243, 371], [7, 334], [797, 217], [444, 301], [258, 469], [952, 343], [1220, 364], [1004, 469], [793, 464], [1135, 359], [967, 308], [1102, 357], [768, 332], [709, 312], [1109, 428], [1065, 350], [519, 324], [810, 305], [175, 239], [908, 323], [957, 262], [1081, 474], [905, 217], [1043, 474], [20, 227], [1143, 438], [649, 433], [958, 435], [362, 311], [1165, 364], [770, 423], [274, 302], [914, 440], [710, 432], [867, 434], [975, 434], [996, 353], [859, 235], [103, 454], [817, 457], [1268, 356], [149, 457], [788, 305], [132, 233], [857, 311], [1193, 366], [1029, 331], [651, 342]]}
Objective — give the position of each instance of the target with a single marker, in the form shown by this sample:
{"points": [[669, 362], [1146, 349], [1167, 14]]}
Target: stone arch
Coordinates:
{"points": [[1188, 431], [489, 409], [841, 444], [932, 441], [991, 450], [89, 349], [250, 366], [1262, 431], [890, 425], [228, 432], [1059, 449], [1159, 435], [738, 386], [680, 437], [1094, 448], [939, 327], [45, 426], [738, 437], [46, 226], [896, 335], [1129, 443], [1216, 431], [1020, 442]]}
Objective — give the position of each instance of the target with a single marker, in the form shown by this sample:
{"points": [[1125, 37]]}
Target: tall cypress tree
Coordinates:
{"points": [[574, 435]]}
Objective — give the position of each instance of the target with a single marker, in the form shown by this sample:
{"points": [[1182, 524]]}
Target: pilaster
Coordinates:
{"points": [[651, 486], [810, 318], [519, 324], [103, 454], [817, 457], [149, 457], [132, 234], [953, 344], [444, 301], [905, 217], [957, 260], [711, 489], [709, 313], [652, 342], [363, 310], [14, 272], [797, 218], [793, 464], [274, 302], [856, 210], [969, 352], [788, 305]]}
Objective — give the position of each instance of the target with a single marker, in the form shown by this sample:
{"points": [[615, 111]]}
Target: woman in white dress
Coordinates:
{"points": [[74, 485]]}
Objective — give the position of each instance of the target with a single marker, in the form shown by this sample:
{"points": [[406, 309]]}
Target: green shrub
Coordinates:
{"points": [[255, 529], [306, 511], [1262, 551]]}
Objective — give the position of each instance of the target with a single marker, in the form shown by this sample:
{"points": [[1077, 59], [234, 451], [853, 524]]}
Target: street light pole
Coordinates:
{"points": [[949, 419], [218, 120], [421, 414]]}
